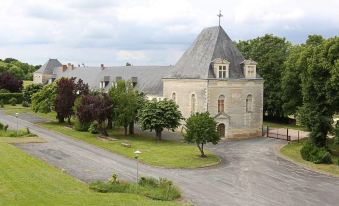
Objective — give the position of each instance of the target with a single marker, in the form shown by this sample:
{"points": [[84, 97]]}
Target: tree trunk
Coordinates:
{"points": [[201, 148], [131, 128], [109, 123], [61, 119], [125, 128], [158, 134]]}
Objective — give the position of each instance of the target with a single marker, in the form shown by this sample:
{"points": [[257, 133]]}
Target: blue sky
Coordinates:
{"points": [[147, 32]]}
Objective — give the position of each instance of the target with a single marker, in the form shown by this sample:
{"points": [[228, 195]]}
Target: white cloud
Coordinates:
{"points": [[148, 31]]}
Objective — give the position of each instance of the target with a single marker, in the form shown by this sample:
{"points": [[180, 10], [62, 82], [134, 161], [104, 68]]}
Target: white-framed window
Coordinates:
{"points": [[222, 72], [249, 103], [221, 103]]}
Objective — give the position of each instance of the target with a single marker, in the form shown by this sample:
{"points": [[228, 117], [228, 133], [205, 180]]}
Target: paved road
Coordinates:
{"points": [[251, 173]]}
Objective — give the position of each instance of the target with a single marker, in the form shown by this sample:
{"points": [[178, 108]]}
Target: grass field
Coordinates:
{"points": [[281, 125], [11, 110], [26, 181], [292, 151], [164, 153]]}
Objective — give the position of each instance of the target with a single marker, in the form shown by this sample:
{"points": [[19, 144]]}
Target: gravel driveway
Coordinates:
{"points": [[250, 174]]}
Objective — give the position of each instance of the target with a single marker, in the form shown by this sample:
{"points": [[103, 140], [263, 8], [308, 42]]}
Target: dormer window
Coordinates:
{"points": [[221, 68], [250, 68]]}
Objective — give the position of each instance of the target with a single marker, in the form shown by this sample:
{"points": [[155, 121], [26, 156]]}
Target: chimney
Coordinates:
{"points": [[63, 68], [102, 67]]}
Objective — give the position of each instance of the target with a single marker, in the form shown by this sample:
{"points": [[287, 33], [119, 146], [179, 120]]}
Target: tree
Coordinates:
{"points": [[201, 129], [29, 91], [125, 104], [43, 100], [158, 115], [103, 106], [65, 98], [84, 107], [9, 82], [270, 52], [320, 90], [67, 91]]}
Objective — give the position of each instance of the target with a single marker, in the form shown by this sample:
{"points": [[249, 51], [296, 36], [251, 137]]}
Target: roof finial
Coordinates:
{"points": [[219, 15]]}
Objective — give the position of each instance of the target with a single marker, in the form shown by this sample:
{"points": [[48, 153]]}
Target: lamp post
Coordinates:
{"points": [[17, 123], [137, 153]]}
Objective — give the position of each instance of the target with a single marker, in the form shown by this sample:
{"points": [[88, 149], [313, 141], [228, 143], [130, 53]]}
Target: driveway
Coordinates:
{"points": [[250, 174]]}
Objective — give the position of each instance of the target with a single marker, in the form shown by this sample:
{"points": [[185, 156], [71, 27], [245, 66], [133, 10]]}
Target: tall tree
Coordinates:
{"points": [[29, 91], [200, 129], [65, 98], [270, 52], [125, 100], [159, 115], [320, 90]]}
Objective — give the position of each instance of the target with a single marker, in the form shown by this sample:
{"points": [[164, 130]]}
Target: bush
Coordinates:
{"points": [[30, 90], [93, 128], [4, 91], [158, 189], [13, 101], [81, 127], [5, 127], [1, 126], [25, 104], [5, 97], [315, 154]]}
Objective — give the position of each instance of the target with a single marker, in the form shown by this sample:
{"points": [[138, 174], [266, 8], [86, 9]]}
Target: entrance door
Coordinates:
{"points": [[221, 130]]}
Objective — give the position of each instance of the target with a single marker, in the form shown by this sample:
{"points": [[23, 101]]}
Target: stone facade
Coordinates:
{"points": [[212, 75]]}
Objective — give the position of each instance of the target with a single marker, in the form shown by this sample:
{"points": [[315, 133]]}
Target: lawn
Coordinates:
{"points": [[282, 125], [11, 110], [164, 153], [26, 181], [11, 136], [26, 83], [292, 151]]}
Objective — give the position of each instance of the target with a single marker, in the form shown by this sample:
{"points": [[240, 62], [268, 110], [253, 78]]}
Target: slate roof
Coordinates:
{"points": [[212, 43], [149, 78], [49, 66]]}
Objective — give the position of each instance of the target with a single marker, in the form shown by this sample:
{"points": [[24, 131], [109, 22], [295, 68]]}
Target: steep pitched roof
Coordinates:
{"points": [[49, 66], [212, 43], [149, 78]]}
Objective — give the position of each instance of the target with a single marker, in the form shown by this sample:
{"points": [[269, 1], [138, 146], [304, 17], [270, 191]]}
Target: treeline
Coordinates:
{"points": [[300, 80], [20, 70]]}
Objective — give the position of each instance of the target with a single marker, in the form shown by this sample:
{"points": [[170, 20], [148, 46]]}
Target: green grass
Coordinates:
{"points": [[164, 153], [26, 181], [26, 83], [11, 136], [11, 110], [292, 151], [282, 125]]}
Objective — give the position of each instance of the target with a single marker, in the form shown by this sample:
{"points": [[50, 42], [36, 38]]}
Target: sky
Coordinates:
{"points": [[148, 32]]}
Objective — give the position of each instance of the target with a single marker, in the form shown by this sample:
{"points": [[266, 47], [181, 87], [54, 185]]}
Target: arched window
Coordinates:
{"points": [[193, 101], [221, 103], [249, 103], [174, 96]]}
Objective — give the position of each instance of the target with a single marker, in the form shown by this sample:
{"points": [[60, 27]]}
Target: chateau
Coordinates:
{"points": [[212, 75]]}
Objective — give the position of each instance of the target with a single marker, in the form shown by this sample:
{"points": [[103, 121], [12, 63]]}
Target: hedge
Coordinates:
{"points": [[5, 97]]}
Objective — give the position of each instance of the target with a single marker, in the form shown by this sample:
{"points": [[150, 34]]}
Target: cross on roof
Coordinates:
{"points": [[219, 15]]}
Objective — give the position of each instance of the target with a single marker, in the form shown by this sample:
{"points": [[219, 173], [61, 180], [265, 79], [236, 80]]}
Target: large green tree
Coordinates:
{"points": [[270, 52], [320, 90], [43, 100], [159, 115], [201, 129], [125, 100]]}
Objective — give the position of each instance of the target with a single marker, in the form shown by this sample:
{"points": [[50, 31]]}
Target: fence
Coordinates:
{"points": [[284, 133]]}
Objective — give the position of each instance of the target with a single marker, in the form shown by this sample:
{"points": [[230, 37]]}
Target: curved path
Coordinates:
{"points": [[250, 174]]}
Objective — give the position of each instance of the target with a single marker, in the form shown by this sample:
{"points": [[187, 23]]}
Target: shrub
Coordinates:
{"points": [[315, 154], [5, 97], [25, 104], [4, 91], [81, 127], [30, 90], [13, 101], [93, 128], [105, 187], [1, 126], [6, 127]]}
